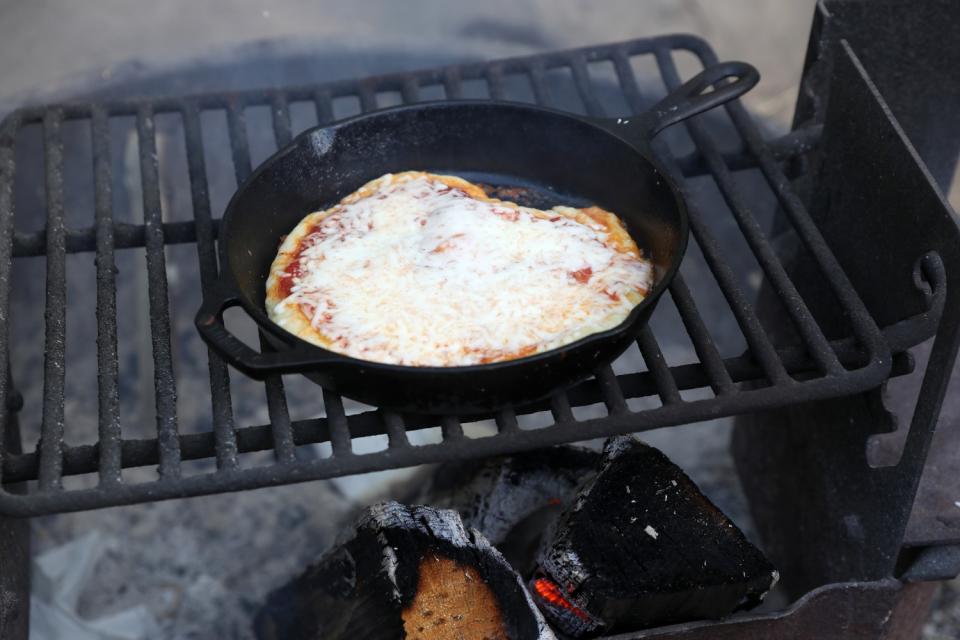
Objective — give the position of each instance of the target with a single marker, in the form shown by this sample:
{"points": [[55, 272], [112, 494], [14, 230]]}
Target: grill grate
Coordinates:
{"points": [[766, 375]]}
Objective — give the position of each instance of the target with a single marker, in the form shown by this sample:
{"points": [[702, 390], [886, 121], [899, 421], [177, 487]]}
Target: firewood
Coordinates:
{"points": [[640, 547], [405, 572], [512, 500]]}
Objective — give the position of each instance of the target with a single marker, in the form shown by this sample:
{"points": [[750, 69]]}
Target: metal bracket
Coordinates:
{"points": [[811, 487]]}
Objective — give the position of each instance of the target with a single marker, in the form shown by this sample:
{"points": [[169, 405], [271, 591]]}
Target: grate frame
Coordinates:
{"points": [[765, 377]]}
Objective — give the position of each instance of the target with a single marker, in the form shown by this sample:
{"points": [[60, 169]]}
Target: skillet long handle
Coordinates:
{"points": [[689, 99], [257, 364]]}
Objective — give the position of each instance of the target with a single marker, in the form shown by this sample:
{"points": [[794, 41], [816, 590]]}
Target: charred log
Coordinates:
{"points": [[405, 572], [512, 500], [641, 546]]}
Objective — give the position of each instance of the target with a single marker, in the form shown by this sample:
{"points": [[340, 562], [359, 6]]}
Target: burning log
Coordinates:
{"points": [[405, 572], [512, 500], [641, 546]]}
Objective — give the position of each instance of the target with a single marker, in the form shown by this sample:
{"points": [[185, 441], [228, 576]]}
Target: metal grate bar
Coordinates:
{"points": [[777, 275], [581, 78], [273, 385], [451, 427], [279, 412], [223, 425], [628, 82], [494, 77], [773, 268], [368, 97], [7, 171], [410, 90], [196, 446], [55, 316], [166, 390], [650, 350], [610, 390], [324, 106], [753, 331], [698, 333], [703, 343], [452, 83], [396, 429], [560, 408], [750, 326], [282, 131], [280, 112], [692, 164], [255, 97], [337, 424], [107, 364], [862, 322], [277, 409], [125, 236], [31, 115], [700, 337], [239, 145], [507, 421], [541, 93]]}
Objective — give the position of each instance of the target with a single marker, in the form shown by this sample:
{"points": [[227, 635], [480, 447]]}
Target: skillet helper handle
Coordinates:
{"points": [[689, 99], [256, 364]]}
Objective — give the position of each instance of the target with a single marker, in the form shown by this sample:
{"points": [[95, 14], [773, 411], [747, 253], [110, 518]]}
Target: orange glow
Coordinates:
{"points": [[551, 593]]}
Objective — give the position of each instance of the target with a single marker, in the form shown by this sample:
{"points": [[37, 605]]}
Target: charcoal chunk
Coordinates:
{"points": [[640, 547], [405, 572]]}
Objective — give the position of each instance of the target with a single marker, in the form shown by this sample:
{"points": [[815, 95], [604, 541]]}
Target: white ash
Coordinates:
{"points": [[442, 523], [202, 566], [389, 565]]}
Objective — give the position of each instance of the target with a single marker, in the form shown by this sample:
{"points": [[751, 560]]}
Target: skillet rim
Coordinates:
{"points": [[638, 142]]}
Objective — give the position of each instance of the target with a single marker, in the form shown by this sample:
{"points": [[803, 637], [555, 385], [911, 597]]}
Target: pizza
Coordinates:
{"points": [[421, 269]]}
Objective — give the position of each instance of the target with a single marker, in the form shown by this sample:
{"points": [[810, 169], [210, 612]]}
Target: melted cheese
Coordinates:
{"points": [[425, 270]]}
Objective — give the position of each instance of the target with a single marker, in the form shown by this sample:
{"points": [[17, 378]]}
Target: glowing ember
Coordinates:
{"points": [[552, 594]]}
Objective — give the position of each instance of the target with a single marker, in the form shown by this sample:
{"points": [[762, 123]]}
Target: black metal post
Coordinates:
{"points": [[14, 558], [908, 48], [827, 515]]}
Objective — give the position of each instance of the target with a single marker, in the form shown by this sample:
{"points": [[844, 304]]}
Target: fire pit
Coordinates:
{"points": [[821, 335]]}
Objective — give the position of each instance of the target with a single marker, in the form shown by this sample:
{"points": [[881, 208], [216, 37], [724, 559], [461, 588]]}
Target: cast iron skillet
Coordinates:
{"points": [[560, 157]]}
